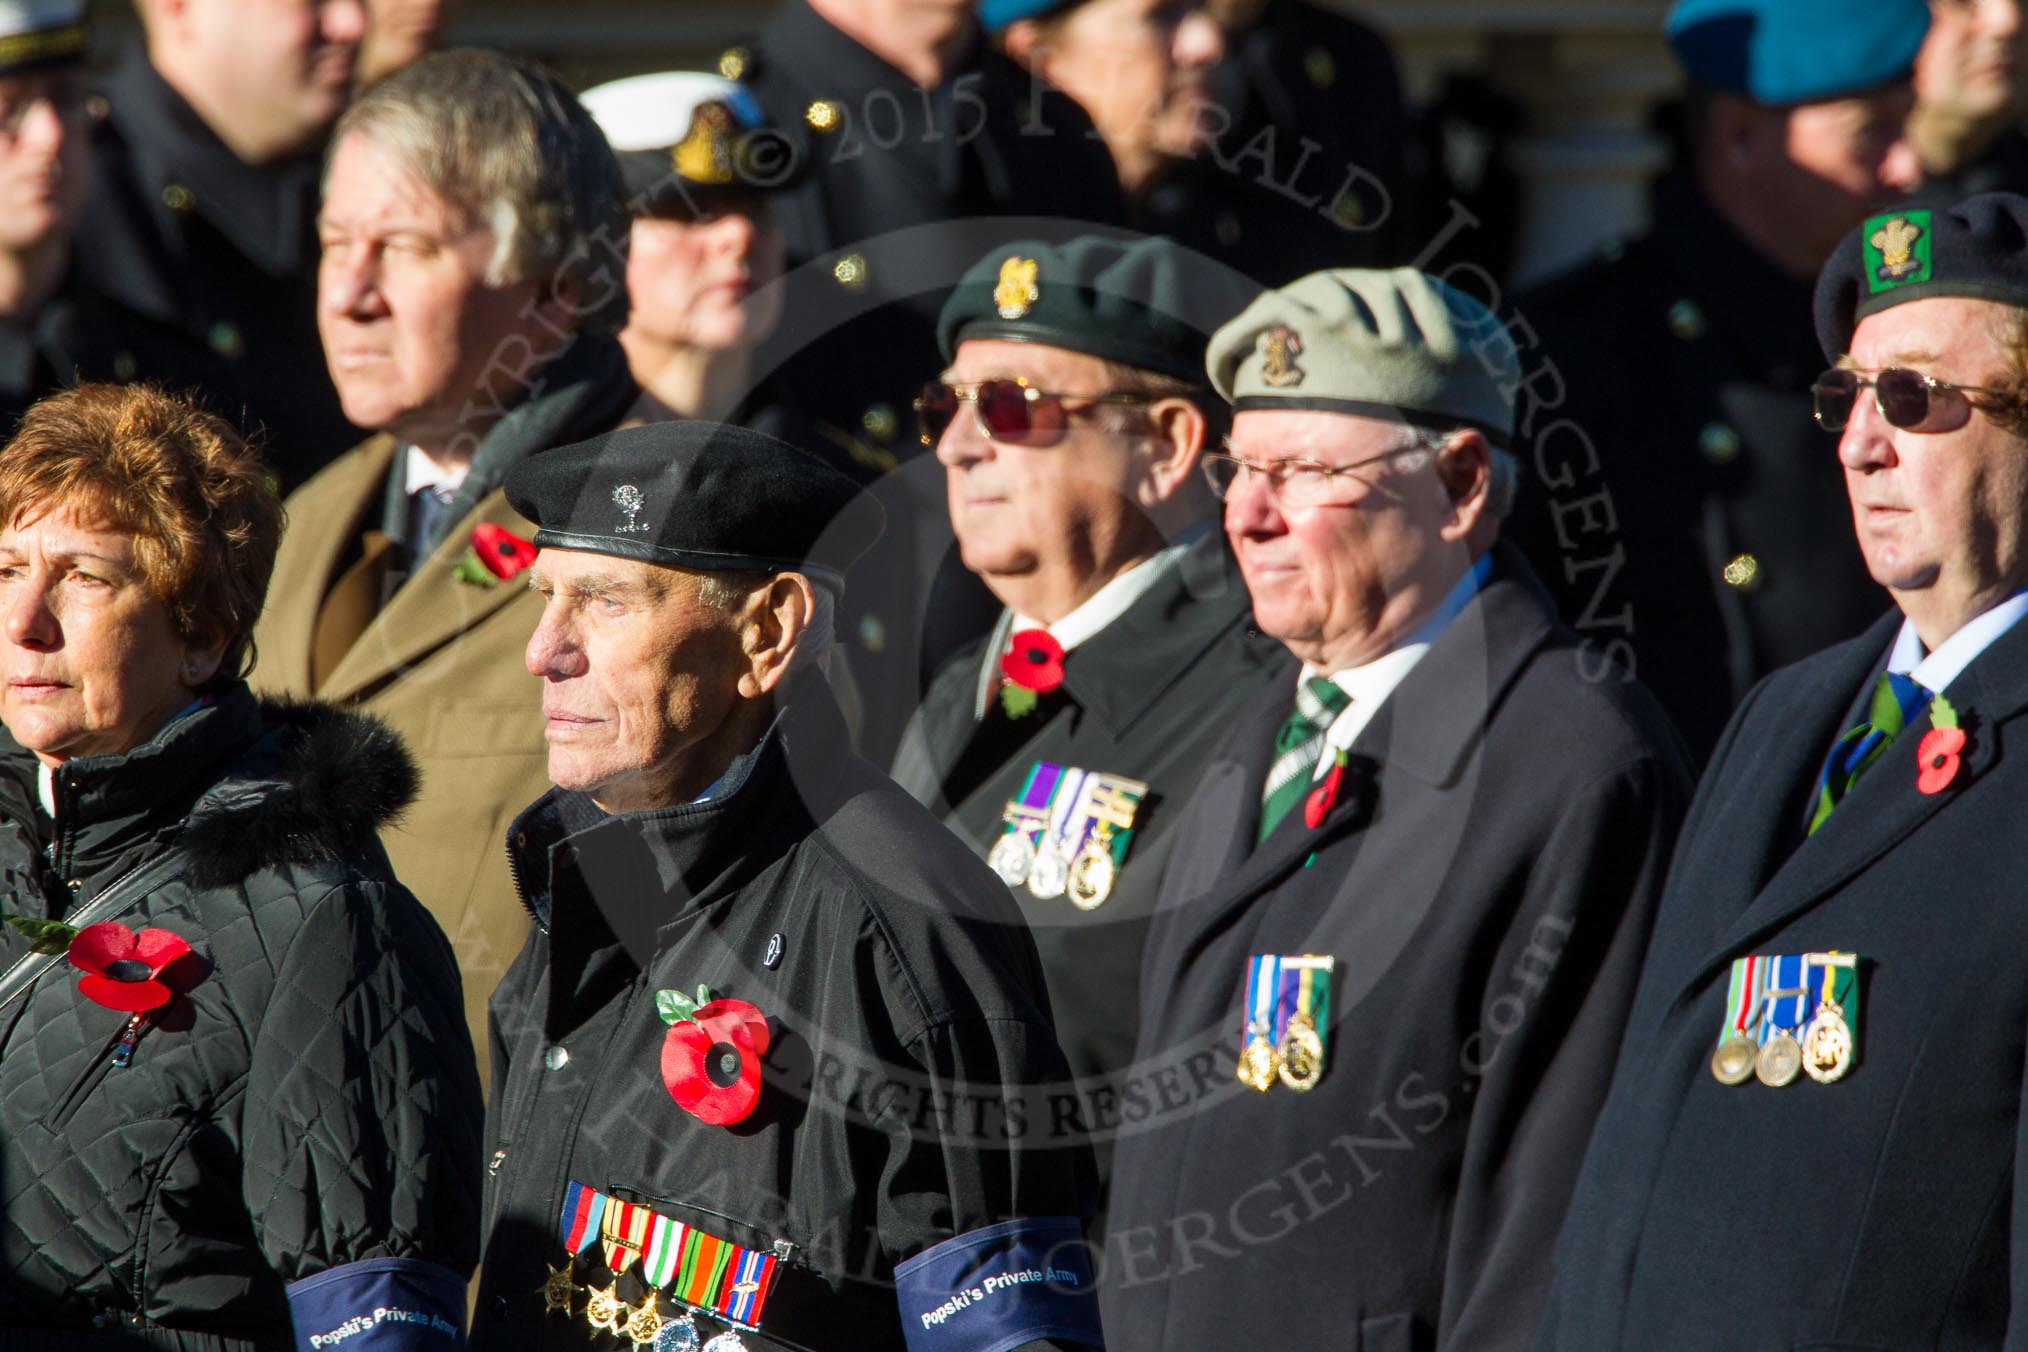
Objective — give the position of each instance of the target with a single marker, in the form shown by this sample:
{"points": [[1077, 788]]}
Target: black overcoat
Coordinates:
{"points": [[1485, 885], [1879, 1211], [904, 1096]]}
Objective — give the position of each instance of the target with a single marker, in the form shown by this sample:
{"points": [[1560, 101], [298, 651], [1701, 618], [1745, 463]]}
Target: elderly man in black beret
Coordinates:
{"points": [[769, 1068], [1818, 1109], [1070, 424]]}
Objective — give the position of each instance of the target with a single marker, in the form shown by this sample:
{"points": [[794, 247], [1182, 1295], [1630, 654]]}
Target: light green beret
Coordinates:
{"points": [[1378, 344]]}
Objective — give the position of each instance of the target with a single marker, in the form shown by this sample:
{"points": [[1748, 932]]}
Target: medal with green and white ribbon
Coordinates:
{"points": [[1302, 1041], [1832, 1041], [1738, 1043]]}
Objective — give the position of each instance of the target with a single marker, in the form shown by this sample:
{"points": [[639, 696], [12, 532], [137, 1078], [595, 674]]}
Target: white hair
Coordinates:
{"points": [[1503, 474]]}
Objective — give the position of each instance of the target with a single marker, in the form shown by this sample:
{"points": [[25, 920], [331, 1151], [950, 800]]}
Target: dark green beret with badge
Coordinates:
{"points": [[1797, 51], [697, 495], [1147, 303], [1977, 249]]}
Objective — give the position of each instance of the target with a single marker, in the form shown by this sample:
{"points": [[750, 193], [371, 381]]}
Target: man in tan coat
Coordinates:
{"points": [[471, 280]]}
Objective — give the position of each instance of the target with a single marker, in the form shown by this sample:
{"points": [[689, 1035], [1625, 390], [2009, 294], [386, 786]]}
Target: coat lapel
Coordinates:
{"points": [[430, 609], [1885, 806], [329, 540]]}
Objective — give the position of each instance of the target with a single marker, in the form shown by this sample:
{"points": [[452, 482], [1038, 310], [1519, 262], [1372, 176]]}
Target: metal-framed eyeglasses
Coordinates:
{"points": [[1008, 409], [1907, 399], [1295, 482]]}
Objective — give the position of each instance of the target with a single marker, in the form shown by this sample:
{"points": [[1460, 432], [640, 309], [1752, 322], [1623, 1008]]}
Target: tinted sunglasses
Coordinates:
{"points": [[1009, 410], [1906, 399]]}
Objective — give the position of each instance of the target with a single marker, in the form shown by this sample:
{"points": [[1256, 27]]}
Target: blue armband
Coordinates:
{"points": [[997, 1288], [379, 1305]]}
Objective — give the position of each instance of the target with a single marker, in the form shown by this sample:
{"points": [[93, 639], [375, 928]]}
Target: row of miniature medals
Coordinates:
{"points": [[1067, 833], [1789, 1016], [702, 1273]]}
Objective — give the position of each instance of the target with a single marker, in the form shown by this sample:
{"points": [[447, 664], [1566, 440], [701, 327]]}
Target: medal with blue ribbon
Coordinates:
{"points": [[1259, 1061], [1832, 1041], [1785, 1008], [1788, 1015]]}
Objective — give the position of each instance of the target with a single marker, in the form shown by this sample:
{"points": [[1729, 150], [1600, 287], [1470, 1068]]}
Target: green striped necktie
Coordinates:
{"points": [[1297, 748]]}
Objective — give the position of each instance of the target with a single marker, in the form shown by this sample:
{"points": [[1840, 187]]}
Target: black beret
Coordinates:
{"points": [[1148, 303], [1977, 248], [697, 495]]}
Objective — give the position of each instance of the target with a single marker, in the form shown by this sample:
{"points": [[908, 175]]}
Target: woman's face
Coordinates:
{"points": [[705, 283], [90, 662]]}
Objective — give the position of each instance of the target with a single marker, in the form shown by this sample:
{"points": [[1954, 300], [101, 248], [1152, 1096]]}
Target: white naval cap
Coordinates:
{"points": [[36, 33], [681, 131]]}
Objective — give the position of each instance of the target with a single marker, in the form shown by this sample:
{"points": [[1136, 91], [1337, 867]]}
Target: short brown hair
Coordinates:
{"points": [[205, 519]]}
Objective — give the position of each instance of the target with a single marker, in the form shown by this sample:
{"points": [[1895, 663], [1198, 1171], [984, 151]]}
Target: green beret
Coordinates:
{"points": [[697, 495], [1976, 249], [1146, 302], [1378, 344]]}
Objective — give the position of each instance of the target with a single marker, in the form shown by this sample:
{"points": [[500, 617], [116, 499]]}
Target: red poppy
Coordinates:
{"points": [[504, 553], [123, 970], [711, 1061], [1936, 758], [1325, 796], [1034, 661]]}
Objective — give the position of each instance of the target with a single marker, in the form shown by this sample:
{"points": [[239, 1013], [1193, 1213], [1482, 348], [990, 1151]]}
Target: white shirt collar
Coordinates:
{"points": [[420, 472], [1098, 610], [1934, 671], [1370, 684]]}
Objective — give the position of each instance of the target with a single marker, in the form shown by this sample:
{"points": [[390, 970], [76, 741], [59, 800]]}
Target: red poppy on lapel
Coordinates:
{"points": [[1033, 667], [1937, 758], [496, 555], [711, 1060], [1324, 797], [122, 969]]}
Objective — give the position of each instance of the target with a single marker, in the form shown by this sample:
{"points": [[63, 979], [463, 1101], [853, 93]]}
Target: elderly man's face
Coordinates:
{"points": [[1342, 582], [1069, 507], [639, 676], [44, 156], [419, 343], [1942, 516]]}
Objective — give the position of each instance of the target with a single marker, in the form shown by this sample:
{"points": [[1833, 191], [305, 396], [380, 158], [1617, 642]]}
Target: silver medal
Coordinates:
{"points": [[1012, 856], [727, 1341], [1049, 875], [678, 1335]]}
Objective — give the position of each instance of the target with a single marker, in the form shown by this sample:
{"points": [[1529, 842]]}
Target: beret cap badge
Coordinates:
{"points": [[1279, 347], [629, 500], [705, 155], [1017, 289], [1897, 250]]}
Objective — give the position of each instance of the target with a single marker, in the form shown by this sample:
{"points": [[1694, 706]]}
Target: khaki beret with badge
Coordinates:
{"points": [[697, 495], [1392, 343], [1145, 302]]}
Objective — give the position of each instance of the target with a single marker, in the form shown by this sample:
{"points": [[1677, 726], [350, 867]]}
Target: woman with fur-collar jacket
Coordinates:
{"points": [[238, 1103]]}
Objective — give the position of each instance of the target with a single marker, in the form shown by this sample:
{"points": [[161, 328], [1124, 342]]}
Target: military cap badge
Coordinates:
{"points": [[629, 500], [1897, 250], [1017, 289], [1278, 348], [705, 154]]}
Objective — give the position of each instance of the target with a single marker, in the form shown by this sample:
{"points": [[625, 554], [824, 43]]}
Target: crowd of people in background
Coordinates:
{"points": [[972, 684]]}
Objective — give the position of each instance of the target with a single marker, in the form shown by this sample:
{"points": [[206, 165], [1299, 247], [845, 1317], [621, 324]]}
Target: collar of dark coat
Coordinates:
{"points": [[264, 210], [583, 390], [241, 784], [640, 872], [823, 57], [1801, 713]]}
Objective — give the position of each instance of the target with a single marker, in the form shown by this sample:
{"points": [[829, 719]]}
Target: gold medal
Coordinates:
{"points": [[643, 1323], [1780, 1061], [1258, 1063], [559, 1293], [602, 1309], [1302, 1055], [1733, 1062], [1091, 877]]}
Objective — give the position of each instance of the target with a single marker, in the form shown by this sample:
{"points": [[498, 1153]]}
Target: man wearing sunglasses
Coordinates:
{"points": [[1394, 947], [1683, 519], [1071, 423], [1845, 1164]]}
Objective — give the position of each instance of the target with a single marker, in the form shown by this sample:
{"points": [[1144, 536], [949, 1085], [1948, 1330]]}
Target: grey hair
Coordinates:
{"points": [[728, 591], [1503, 474], [510, 147]]}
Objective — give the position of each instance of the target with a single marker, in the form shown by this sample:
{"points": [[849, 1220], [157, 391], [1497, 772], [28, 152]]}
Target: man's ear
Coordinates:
{"points": [[1172, 444], [775, 623], [1736, 127], [1464, 466]]}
